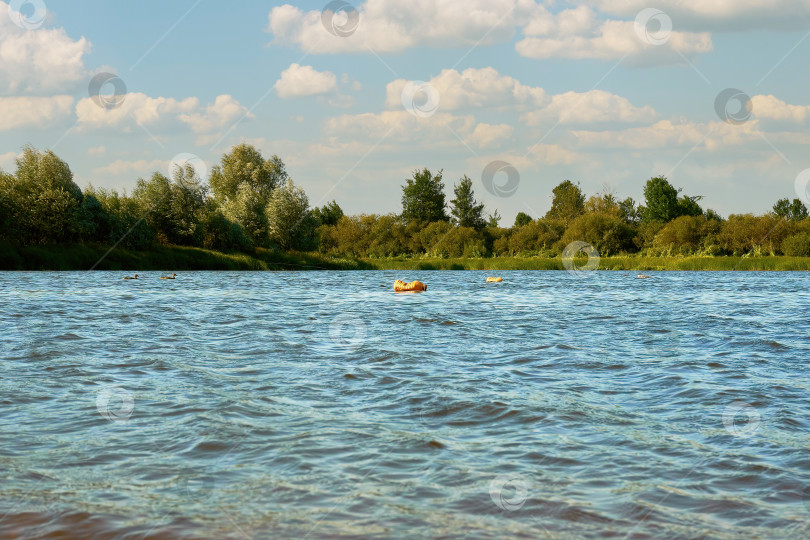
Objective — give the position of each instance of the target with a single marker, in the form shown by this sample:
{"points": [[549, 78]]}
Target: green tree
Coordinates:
{"points": [[290, 224], [791, 211], [522, 219], [245, 165], [466, 211], [568, 202], [629, 212], [797, 245], [188, 198], [154, 200], [250, 212], [122, 220], [661, 200], [606, 232], [493, 219], [328, 214], [688, 206], [43, 203], [603, 203], [423, 198], [219, 233], [662, 203]]}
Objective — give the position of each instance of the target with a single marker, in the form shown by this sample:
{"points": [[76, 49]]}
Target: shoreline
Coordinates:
{"points": [[83, 257]]}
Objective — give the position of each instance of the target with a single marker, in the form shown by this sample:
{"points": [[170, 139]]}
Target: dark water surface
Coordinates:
{"points": [[310, 405]]}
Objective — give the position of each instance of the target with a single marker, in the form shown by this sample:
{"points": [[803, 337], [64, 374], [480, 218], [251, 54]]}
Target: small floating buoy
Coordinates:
{"points": [[494, 280], [413, 286]]}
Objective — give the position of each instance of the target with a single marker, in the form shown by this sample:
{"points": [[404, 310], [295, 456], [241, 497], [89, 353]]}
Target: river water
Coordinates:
{"points": [[321, 404]]}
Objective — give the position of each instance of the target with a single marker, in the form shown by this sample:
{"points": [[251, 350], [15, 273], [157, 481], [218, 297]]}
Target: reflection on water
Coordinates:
{"points": [[267, 405]]}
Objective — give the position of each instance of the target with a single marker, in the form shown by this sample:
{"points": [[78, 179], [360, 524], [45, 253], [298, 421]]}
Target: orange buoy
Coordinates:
{"points": [[494, 280], [413, 286]]}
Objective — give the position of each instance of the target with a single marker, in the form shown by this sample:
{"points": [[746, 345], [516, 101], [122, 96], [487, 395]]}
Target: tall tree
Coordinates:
{"points": [[244, 164], [289, 221], [629, 212], [568, 202], [661, 201], [44, 203], [791, 211], [423, 198], [493, 220], [466, 211], [522, 219]]}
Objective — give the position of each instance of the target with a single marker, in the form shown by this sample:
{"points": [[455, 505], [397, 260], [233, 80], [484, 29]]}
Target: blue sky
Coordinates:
{"points": [[604, 93]]}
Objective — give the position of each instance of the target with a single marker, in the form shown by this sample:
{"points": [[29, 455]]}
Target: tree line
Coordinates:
{"points": [[250, 202]]}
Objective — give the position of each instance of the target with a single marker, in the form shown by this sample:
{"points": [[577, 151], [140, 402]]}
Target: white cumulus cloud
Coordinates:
{"points": [[594, 106], [298, 81], [34, 112], [392, 25], [39, 61], [474, 89], [772, 108], [720, 15]]}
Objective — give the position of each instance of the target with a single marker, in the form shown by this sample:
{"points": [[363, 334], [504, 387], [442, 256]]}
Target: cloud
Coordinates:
{"points": [[473, 89], [771, 108], [392, 25], [579, 33], [135, 108], [594, 106], [142, 166], [96, 151], [488, 136], [162, 114], [221, 114], [34, 112], [38, 61], [681, 134], [299, 81], [720, 15]]}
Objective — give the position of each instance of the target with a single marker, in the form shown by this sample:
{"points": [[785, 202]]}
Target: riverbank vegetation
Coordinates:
{"points": [[249, 214]]}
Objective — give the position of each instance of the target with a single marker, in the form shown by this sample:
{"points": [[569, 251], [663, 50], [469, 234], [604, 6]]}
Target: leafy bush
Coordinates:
{"points": [[797, 245]]}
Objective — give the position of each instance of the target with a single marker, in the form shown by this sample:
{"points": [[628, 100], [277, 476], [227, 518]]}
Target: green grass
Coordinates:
{"points": [[636, 263], [175, 258], [164, 258]]}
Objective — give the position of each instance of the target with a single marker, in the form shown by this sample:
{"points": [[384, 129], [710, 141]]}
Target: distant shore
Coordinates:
{"points": [[175, 258]]}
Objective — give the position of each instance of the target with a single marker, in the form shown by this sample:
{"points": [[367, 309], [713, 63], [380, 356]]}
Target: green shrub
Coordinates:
{"points": [[797, 245]]}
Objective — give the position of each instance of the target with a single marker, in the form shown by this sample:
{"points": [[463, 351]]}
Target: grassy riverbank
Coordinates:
{"points": [[640, 263], [165, 258], [173, 258]]}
